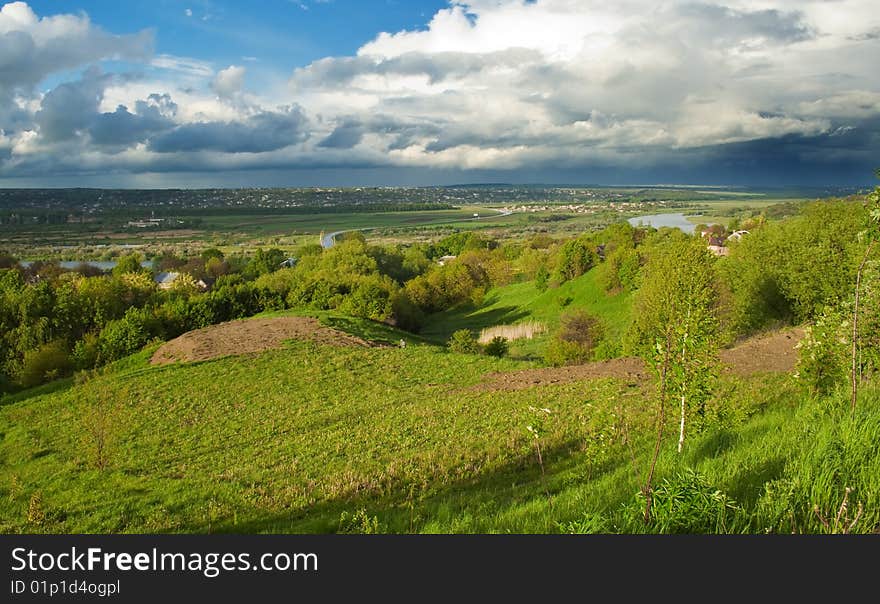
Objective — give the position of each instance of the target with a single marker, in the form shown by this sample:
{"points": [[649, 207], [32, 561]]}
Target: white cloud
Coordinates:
{"points": [[183, 65], [487, 84], [229, 82], [577, 78], [32, 48]]}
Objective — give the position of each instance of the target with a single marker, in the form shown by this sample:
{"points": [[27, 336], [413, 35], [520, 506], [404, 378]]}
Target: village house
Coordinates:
{"points": [[166, 280]]}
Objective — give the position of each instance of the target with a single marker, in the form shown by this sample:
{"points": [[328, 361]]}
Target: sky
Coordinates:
{"points": [[216, 93]]}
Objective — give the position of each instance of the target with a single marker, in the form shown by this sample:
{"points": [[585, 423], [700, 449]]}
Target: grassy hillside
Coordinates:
{"points": [[316, 438], [521, 302]]}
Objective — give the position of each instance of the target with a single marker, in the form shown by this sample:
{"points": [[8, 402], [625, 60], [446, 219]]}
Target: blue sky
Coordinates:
{"points": [[280, 92], [279, 33]]}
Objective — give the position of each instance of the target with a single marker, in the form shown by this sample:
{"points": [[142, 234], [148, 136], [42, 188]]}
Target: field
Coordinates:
{"points": [[235, 228]]}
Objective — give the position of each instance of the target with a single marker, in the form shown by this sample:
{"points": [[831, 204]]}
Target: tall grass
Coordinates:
{"points": [[520, 331]]}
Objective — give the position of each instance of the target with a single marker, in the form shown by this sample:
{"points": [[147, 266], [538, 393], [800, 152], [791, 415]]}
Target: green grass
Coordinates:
{"points": [[301, 439], [365, 329], [520, 302]]}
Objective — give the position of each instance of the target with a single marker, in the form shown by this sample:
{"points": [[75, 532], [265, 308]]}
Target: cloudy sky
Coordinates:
{"points": [[371, 92]]}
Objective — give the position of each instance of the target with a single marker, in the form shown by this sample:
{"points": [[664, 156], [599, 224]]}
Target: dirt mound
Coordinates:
{"points": [[248, 336], [774, 352]]}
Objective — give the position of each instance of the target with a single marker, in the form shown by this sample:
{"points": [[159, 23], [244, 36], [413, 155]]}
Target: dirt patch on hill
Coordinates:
{"points": [[249, 336], [627, 369], [773, 352]]}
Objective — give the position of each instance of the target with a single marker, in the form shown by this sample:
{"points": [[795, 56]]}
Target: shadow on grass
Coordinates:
{"points": [[50, 388], [373, 331], [442, 325], [410, 508], [747, 486]]}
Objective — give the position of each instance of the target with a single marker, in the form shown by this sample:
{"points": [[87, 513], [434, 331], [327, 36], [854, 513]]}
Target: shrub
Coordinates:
{"points": [[822, 354], [542, 278], [619, 271], [559, 353], [85, 352], [574, 342], [464, 341], [46, 363], [497, 347], [576, 257], [407, 315], [688, 504], [127, 335]]}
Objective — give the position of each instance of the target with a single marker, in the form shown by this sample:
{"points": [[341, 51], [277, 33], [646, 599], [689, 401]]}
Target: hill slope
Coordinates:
{"points": [[323, 438]]}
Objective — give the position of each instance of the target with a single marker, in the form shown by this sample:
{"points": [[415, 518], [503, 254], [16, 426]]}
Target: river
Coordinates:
{"points": [[676, 221]]}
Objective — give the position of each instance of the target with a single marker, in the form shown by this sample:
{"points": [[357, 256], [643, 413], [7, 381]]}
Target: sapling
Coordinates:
{"points": [[536, 429], [871, 234]]}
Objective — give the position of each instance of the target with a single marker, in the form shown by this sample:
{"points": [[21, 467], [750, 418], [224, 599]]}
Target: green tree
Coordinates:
{"points": [[497, 347], [576, 257], [578, 334], [675, 330], [128, 263], [464, 342], [542, 278], [870, 236]]}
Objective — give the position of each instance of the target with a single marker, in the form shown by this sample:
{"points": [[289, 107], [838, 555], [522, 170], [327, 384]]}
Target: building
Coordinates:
{"points": [[165, 280]]}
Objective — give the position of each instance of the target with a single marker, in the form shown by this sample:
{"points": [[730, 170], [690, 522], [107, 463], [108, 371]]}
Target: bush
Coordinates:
{"points": [[687, 504], [407, 315], [823, 354], [576, 257], [576, 339], [46, 363], [619, 271], [86, 351], [464, 342], [559, 353], [127, 335], [497, 347], [542, 279]]}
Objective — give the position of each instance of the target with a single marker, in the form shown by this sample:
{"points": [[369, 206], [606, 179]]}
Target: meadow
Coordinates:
{"points": [[522, 302], [327, 439]]}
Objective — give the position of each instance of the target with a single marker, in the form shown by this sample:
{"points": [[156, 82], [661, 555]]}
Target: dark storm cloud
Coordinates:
{"points": [[69, 109], [345, 136], [403, 132], [266, 131], [123, 128]]}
